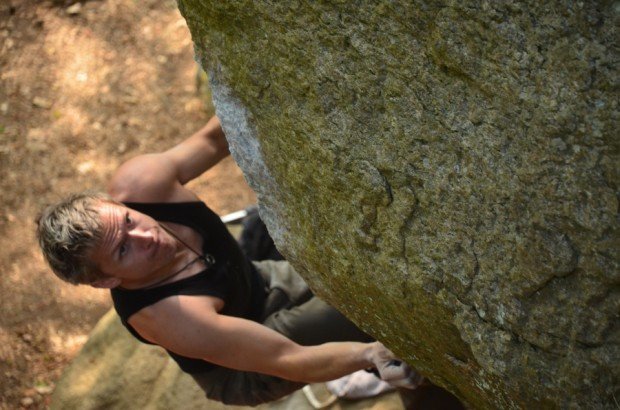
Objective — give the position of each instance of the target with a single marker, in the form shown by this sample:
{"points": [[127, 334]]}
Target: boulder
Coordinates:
{"points": [[445, 173], [115, 371]]}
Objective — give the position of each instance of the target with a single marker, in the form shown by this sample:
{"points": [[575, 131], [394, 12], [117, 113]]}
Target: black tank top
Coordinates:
{"points": [[232, 278]]}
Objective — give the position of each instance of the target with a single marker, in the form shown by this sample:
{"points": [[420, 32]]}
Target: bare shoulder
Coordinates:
{"points": [[147, 178]]}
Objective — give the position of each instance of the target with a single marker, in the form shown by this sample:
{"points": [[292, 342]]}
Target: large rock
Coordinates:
{"points": [[444, 172]]}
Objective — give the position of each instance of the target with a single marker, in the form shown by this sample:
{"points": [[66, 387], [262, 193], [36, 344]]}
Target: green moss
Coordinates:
{"points": [[423, 155]]}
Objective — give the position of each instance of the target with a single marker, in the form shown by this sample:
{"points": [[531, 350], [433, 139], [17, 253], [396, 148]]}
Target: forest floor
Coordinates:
{"points": [[83, 87]]}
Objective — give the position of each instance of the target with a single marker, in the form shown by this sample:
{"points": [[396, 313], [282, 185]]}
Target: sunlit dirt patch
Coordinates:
{"points": [[79, 93]]}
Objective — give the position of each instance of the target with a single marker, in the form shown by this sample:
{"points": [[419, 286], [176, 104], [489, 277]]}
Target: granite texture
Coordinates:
{"points": [[444, 172]]}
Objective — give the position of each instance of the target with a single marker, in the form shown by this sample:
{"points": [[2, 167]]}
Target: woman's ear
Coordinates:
{"points": [[106, 283]]}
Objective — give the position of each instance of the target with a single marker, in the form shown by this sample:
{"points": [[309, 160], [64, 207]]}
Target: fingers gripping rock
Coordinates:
{"points": [[393, 370]]}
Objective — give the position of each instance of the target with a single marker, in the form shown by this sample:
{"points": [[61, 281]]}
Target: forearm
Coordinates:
{"points": [[213, 133], [201, 151], [329, 361]]}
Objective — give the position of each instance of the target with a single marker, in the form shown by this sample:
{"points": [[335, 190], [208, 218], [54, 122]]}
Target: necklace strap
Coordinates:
{"points": [[207, 258], [187, 265]]}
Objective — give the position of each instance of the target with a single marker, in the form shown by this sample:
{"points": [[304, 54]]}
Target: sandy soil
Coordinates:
{"points": [[82, 88]]}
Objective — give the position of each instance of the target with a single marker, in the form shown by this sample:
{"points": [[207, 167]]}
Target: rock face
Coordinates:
{"points": [[115, 371], [445, 173]]}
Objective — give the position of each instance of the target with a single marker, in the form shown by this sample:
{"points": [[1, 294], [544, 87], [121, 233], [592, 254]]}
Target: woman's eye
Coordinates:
{"points": [[123, 249], [128, 219]]}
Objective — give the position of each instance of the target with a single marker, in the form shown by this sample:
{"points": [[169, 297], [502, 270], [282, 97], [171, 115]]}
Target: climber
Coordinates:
{"points": [[246, 332]]}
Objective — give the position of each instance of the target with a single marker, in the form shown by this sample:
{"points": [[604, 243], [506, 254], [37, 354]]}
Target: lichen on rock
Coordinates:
{"points": [[445, 173]]}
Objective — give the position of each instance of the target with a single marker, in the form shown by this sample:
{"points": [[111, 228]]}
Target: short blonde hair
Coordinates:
{"points": [[68, 232]]}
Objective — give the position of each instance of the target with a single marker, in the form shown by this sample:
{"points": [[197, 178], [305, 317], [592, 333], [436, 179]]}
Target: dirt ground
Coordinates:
{"points": [[83, 86]]}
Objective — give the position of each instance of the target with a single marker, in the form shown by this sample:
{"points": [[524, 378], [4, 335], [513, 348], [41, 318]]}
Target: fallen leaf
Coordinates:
{"points": [[41, 102], [44, 388], [74, 9]]}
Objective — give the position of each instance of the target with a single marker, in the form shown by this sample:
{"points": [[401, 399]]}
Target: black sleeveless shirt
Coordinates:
{"points": [[232, 278]]}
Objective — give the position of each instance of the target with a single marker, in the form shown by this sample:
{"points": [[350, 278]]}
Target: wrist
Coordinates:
{"points": [[370, 354]]}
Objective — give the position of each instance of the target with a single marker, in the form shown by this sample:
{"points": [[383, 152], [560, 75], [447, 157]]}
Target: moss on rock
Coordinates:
{"points": [[445, 173]]}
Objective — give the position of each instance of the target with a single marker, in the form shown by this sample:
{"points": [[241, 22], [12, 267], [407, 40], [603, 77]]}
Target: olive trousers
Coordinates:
{"points": [[292, 310]]}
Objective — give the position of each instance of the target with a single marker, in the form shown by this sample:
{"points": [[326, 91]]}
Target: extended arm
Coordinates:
{"points": [[190, 326], [160, 177]]}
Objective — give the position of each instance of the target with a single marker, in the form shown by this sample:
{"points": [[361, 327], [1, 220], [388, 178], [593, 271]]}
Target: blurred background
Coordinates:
{"points": [[83, 87]]}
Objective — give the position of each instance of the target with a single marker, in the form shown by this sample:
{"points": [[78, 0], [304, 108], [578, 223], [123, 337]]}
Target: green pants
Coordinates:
{"points": [[292, 310]]}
